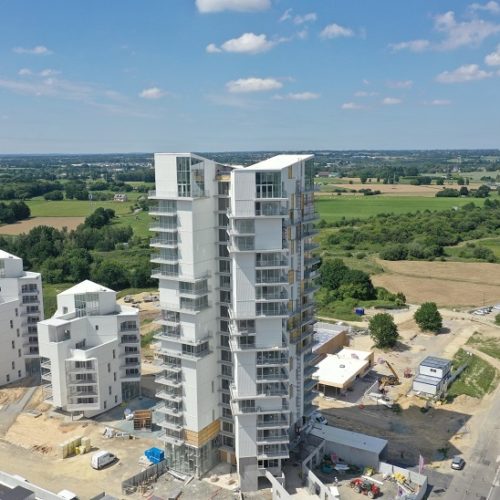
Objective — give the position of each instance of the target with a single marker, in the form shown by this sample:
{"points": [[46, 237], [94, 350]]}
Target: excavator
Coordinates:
{"points": [[388, 379]]}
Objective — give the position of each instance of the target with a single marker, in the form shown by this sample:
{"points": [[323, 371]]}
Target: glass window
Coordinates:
{"points": [[183, 177], [268, 184]]}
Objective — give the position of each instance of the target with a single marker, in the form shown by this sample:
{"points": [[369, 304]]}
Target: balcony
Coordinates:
{"points": [[159, 273], [280, 438], [163, 243], [308, 247], [168, 381], [271, 360], [165, 409], [264, 452], [129, 339], [169, 424], [163, 228], [271, 309], [273, 423], [238, 346], [156, 258], [159, 209], [47, 376], [270, 279], [309, 385], [272, 377], [312, 261], [310, 216], [265, 263], [244, 410], [174, 195], [166, 438], [169, 396]]}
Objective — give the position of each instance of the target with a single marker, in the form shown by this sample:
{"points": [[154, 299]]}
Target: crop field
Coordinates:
{"points": [[72, 208], [337, 207], [386, 189], [25, 226], [446, 283]]}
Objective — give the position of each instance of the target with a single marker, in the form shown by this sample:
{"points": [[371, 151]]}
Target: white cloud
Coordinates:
{"points": [[412, 45], [391, 101], [465, 73], [49, 72], [306, 18], [493, 59], [248, 43], [440, 102], [400, 84], [24, 72], [152, 93], [299, 96], [212, 48], [298, 19], [335, 31], [302, 34], [351, 105], [39, 50], [492, 7], [364, 93], [244, 85], [208, 6]]}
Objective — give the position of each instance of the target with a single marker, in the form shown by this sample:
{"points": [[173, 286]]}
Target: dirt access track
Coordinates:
{"points": [[446, 283], [25, 226]]}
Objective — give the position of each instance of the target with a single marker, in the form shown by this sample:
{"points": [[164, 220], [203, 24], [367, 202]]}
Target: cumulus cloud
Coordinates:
{"points": [[152, 93], [38, 50], [246, 85], [391, 101], [364, 93], [492, 7], [440, 102], [49, 72], [208, 6], [248, 43], [493, 59], [24, 72], [336, 31], [455, 34], [400, 84], [299, 96], [351, 105], [465, 73]]}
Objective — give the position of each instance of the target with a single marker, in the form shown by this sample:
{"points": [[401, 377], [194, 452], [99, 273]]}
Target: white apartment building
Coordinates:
{"points": [[90, 350], [21, 307], [236, 278]]}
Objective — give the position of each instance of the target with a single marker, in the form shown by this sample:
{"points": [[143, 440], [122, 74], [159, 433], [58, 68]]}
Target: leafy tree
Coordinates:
{"points": [[394, 252], [383, 330], [346, 282], [463, 191], [482, 191], [111, 274], [428, 318], [461, 181], [54, 196], [497, 319], [439, 181]]}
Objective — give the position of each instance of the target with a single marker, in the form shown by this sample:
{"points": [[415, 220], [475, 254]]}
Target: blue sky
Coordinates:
{"points": [[212, 75]]}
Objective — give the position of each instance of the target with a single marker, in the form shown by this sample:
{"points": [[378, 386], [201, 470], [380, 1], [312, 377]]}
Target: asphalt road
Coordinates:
{"points": [[480, 478]]}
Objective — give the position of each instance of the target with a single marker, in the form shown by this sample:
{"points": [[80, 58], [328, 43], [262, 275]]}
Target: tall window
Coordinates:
{"points": [[268, 184], [183, 177], [309, 175]]}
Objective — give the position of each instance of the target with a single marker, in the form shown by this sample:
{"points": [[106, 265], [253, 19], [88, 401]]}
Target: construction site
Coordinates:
{"points": [[362, 390]]}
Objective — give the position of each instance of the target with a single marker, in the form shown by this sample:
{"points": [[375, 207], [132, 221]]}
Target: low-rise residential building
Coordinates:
{"points": [[90, 348], [21, 307]]}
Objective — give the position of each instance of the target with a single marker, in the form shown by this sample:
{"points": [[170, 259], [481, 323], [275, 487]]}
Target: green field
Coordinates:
{"points": [[72, 208], [488, 345], [338, 207], [140, 223]]}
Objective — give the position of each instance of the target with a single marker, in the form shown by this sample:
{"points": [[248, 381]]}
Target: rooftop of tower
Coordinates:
{"points": [[278, 162]]}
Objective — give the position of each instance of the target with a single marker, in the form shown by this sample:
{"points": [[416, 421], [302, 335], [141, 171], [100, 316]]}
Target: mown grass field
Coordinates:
{"points": [[492, 243], [477, 380], [337, 207]]}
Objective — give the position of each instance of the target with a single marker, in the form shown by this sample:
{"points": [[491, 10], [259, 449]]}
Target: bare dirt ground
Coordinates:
{"points": [[451, 427], [446, 283], [25, 226]]}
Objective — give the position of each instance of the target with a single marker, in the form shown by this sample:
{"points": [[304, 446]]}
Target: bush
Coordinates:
{"points": [[383, 330], [394, 252], [54, 196], [497, 319], [428, 317]]}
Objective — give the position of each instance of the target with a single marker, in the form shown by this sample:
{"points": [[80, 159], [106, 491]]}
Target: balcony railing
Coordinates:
{"points": [[161, 242]]}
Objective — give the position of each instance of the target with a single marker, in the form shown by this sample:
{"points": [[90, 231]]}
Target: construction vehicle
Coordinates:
{"points": [[389, 379], [364, 487]]}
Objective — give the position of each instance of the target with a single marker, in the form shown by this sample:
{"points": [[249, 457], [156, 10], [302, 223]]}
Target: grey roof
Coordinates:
{"points": [[322, 337], [16, 493], [350, 439], [433, 362], [426, 379]]}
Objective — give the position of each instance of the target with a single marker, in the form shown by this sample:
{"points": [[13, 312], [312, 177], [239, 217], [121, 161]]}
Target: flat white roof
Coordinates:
{"points": [[278, 162], [350, 439], [336, 371], [347, 353], [86, 286]]}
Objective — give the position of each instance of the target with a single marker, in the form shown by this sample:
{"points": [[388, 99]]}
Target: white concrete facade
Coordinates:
{"points": [[21, 305], [90, 351], [239, 240]]}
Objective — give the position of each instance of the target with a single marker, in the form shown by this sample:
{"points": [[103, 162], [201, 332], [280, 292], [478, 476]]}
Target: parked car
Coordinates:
{"points": [[67, 495], [317, 418], [458, 463], [102, 458]]}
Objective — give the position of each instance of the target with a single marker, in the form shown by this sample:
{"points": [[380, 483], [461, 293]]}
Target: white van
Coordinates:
{"points": [[102, 458], [67, 495]]}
